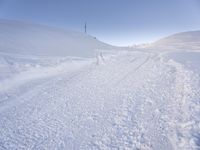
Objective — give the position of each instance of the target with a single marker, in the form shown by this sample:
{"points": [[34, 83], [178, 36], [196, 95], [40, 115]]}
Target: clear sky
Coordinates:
{"points": [[118, 22]]}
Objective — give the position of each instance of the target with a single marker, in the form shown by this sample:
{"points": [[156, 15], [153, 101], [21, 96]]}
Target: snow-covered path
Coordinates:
{"points": [[133, 100]]}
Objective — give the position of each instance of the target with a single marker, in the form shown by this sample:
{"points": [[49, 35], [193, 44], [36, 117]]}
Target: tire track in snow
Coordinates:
{"points": [[138, 136], [185, 90], [133, 70], [88, 111]]}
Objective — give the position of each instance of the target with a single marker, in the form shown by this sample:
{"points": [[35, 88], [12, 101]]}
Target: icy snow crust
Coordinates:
{"points": [[144, 99]]}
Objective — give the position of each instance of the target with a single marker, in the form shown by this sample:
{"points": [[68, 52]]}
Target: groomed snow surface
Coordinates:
{"points": [[140, 99]]}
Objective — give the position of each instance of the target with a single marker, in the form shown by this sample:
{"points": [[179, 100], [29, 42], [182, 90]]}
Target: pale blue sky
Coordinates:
{"points": [[118, 22]]}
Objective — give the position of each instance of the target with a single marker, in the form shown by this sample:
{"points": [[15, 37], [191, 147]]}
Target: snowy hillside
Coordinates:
{"points": [[143, 99], [185, 40], [25, 38]]}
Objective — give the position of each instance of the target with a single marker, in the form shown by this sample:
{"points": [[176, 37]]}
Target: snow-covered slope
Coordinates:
{"points": [[182, 41], [144, 99], [28, 38]]}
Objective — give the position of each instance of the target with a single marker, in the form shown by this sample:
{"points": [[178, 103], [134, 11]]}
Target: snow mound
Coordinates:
{"points": [[184, 41], [33, 39]]}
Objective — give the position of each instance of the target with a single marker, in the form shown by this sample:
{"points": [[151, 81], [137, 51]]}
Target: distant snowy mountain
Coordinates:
{"points": [[27, 38], [183, 41]]}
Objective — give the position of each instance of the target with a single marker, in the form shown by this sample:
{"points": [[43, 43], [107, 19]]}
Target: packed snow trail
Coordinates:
{"points": [[133, 100]]}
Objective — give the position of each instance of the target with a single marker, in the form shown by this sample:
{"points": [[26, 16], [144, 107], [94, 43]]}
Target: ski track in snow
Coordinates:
{"points": [[133, 100]]}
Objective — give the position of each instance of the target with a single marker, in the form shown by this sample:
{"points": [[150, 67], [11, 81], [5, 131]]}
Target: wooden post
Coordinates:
{"points": [[85, 27]]}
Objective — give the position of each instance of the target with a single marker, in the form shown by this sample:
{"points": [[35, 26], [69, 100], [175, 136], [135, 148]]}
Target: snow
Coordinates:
{"points": [[144, 98], [28, 38], [181, 41]]}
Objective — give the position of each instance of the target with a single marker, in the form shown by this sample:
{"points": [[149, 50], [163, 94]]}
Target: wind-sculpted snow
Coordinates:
{"points": [[121, 100]]}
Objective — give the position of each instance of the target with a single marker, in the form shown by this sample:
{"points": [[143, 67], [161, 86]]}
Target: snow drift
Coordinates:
{"points": [[33, 39]]}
